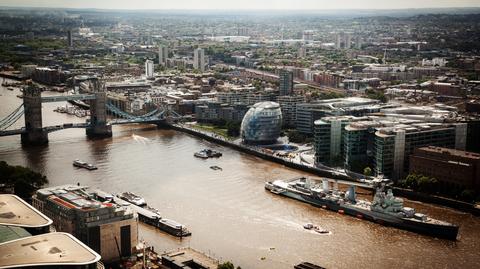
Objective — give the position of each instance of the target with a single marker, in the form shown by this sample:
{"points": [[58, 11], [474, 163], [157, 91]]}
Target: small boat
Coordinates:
{"points": [[320, 230], [82, 164], [207, 153], [201, 154], [308, 226], [10, 89], [215, 167], [132, 198]]}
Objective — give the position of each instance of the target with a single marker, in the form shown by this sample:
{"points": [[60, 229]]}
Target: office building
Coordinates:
{"points": [[70, 38], [288, 105], [307, 36], [261, 124], [338, 41], [384, 141], [394, 144], [257, 97], [451, 168], [232, 97], [348, 41], [107, 228], [149, 68], [162, 55], [199, 59], [308, 113], [329, 139], [286, 82], [358, 42], [302, 52]]}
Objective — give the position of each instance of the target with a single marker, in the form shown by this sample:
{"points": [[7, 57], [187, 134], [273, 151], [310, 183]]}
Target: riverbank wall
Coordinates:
{"points": [[409, 194], [266, 156]]}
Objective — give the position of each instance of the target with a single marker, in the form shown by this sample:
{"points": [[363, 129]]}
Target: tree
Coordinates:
{"points": [[24, 180], [233, 128], [467, 195], [295, 136], [367, 171], [227, 265]]}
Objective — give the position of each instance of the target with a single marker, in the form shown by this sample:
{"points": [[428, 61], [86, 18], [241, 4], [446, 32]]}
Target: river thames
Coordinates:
{"points": [[229, 213]]}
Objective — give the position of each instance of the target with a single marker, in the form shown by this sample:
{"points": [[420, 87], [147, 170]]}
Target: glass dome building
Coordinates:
{"points": [[261, 124]]}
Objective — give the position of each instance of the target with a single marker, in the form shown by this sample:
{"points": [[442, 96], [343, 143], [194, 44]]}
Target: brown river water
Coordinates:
{"points": [[229, 213]]}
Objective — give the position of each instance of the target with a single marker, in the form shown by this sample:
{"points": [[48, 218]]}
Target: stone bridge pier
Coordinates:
{"points": [[98, 113], [32, 103]]}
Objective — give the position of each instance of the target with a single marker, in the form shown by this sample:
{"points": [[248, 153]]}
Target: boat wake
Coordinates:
{"points": [[140, 139]]}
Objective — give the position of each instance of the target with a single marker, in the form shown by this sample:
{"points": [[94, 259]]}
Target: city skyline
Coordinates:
{"points": [[243, 5]]}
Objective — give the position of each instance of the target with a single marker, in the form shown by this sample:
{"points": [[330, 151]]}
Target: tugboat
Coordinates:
{"points": [[385, 209], [132, 198], [82, 164], [207, 153]]}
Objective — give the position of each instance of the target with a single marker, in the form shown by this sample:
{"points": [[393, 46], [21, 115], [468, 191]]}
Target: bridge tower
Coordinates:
{"points": [[32, 103], [98, 113]]}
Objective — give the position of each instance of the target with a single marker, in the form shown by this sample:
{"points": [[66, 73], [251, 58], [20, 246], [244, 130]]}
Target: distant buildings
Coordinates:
{"points": [[302, 52], [149, 69], [199, 59], [307, 36], [338, 41], [162, 55], [49, 76], [451, 168], [107, 228], [262, 123], [286, 82]]}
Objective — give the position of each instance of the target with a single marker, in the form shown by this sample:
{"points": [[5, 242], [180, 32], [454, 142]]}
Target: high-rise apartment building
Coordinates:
{"points": [[286, 82], [162, 55], [149, 68], [199, 59], [70, 38]]}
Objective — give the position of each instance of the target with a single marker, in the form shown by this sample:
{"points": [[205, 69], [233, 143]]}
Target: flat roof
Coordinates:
{"points": [[449, 151], [16, 212], [54, 249]]}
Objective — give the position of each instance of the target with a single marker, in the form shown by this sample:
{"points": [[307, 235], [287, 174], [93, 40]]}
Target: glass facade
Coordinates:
{"points": [[262, 123]]}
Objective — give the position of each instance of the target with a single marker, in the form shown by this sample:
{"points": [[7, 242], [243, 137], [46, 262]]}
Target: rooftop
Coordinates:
{"points": [[54, 249], [452, 152], [16, 212]]}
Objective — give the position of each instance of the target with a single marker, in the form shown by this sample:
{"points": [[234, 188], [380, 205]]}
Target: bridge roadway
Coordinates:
{"points": [[47, 129], [50, 129], [73, 97]]}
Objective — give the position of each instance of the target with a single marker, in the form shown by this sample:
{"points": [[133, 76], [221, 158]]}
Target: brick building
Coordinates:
{"points": [[452, 168]]}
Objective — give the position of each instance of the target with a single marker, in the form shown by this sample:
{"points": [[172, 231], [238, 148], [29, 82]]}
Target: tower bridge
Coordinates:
{"points": [[35, 133]]}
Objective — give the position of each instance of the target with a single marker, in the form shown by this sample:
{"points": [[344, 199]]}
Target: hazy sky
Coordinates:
{"points": [[242, 4]]}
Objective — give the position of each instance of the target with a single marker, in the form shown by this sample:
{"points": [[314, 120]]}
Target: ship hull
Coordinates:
{"points": [[437, 230]]}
